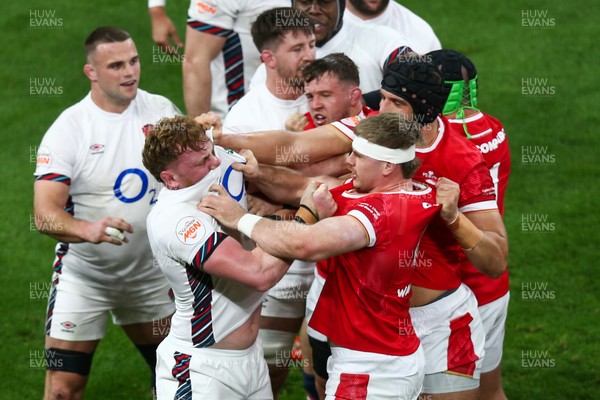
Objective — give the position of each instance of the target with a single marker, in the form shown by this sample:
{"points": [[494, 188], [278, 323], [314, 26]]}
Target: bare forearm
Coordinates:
{"points": [[264, 145], [282, 239], [291, 148], [281, 184], [293, 240], [271, 271], [487, 250], [490, 256], [60, 225]]}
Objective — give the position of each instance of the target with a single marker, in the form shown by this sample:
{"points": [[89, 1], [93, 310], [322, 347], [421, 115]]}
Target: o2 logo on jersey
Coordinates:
{"points": [[233, 183], [136, 181], [190, 230]]}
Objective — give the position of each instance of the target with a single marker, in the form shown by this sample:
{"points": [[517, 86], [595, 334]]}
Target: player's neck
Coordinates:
{"points": [[284, 88], [356, 110], [394, 183], [429, 132], [105, 104], [469, 112]]}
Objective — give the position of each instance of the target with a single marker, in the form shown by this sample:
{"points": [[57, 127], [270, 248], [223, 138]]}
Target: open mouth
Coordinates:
{"points": [[129, 83], [320, 28], [319, 119]]}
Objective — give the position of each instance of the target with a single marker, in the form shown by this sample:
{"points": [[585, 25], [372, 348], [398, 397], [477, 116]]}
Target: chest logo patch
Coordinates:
{"points": [[97, 149]]}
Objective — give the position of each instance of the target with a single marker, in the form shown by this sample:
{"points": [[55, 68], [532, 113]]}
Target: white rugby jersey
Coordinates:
{"points": [[369, 47], [231, 19], [260, 110], [98, 154], [208, 308], [415, 29]]}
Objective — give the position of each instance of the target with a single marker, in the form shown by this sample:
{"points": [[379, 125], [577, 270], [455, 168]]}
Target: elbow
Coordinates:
{"points": [[306, 250], [498, 266], [264, 281], [263, 286], [497, 271], [41, 227]]}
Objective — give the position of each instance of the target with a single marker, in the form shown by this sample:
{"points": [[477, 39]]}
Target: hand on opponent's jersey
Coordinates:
{"points": [[250, 168], [296, 122], [447, 194], [319, 200], [222, 207], [211, 120]]}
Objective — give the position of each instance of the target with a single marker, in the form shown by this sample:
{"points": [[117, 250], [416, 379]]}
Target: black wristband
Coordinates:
{"points": [[299, 220]]}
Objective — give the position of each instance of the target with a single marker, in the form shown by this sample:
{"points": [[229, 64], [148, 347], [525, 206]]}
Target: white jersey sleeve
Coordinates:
{"points": [[60, 146]]}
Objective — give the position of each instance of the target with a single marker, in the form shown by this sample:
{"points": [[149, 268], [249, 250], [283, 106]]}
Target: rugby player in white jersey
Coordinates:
{"points": [[394, 15], [286, 41], [93, 194], [211, 351], [219, 55], [370, 47]]}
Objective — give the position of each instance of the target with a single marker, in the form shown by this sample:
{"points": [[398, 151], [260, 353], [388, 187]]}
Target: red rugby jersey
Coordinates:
{"points": [[452, 157], [364, 303], [487, 133]]}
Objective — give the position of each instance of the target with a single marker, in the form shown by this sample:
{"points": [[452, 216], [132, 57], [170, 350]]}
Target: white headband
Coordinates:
{"points": [[381, 153]]}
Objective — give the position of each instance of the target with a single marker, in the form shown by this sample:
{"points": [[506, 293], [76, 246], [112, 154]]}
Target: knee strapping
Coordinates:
{"points": [[277, 345], [69, 361]]}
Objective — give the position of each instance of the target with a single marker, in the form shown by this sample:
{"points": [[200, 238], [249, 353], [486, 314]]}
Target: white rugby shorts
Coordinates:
{"points": [[211, 373], [79, 311], [362, 375], [493, 316]]}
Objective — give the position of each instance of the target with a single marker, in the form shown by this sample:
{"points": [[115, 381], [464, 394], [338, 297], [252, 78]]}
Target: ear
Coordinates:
{"points": [[355, 96], [389, 168], [268, 58], [90, 72], [169, 180]]}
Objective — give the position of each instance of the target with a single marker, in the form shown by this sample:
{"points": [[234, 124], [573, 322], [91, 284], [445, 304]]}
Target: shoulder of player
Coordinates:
{"points": [[179, 221], [384, 35], [241, 115], [155, 101], [70, 121], [458, 147]]}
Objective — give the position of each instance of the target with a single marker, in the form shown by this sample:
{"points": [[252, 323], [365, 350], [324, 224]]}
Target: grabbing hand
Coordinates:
{"points": [[222, 207], [211, 120], [325, 205], [296, 122], [447, 194], [250, 169], [318, 199]]}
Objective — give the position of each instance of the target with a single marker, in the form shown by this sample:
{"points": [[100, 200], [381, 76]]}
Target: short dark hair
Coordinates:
{"points": [[394, 131], [104, 34], [271, 26], [168, 139], [337, 64]]}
